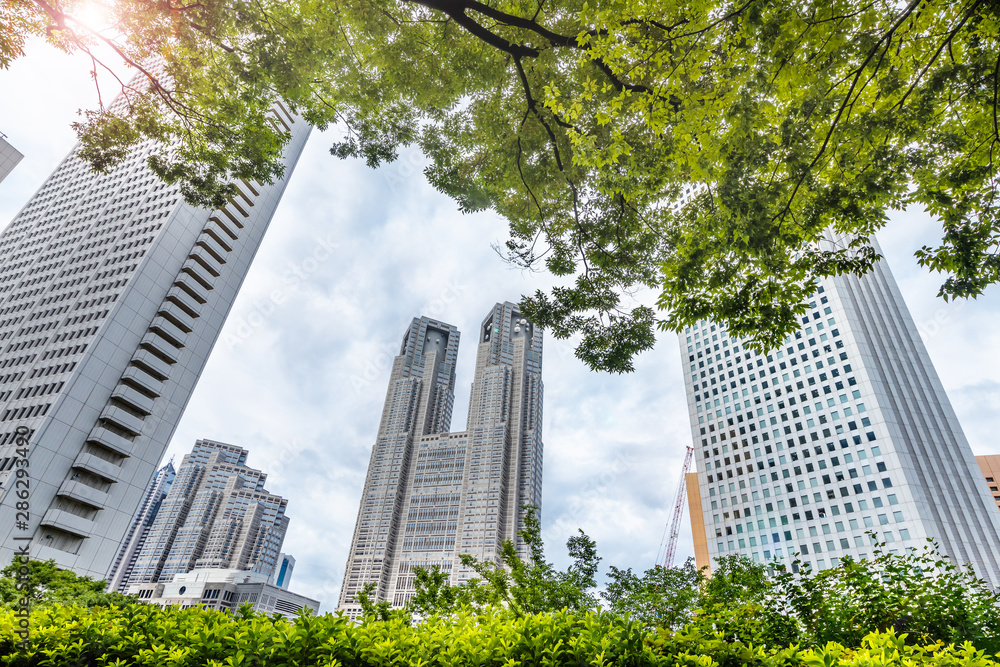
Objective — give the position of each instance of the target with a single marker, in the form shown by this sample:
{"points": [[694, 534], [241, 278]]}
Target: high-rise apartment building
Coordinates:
{"points": [[218, 515], [843, 430], [113, 291], [431, 495], [122, 568]]}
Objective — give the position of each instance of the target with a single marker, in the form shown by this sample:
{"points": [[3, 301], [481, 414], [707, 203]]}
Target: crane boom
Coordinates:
{"points": [[679, 503]]}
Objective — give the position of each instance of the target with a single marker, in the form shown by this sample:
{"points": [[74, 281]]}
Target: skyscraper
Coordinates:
{"points": [[842, 430], [431, 495], [218, 515], [121, 570], [112, 293], [9, 157], [286, 565]]}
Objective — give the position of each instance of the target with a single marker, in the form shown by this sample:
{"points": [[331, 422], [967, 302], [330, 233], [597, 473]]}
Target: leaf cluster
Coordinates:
{"points": [[586, 126]]}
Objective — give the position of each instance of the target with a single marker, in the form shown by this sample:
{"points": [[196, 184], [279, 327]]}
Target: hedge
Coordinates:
{"points": [[143, 635]]}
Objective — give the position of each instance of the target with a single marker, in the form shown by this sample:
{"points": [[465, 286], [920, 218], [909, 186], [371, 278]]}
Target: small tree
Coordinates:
{"points": [[45, 583], [524, 586], [662, 597]]}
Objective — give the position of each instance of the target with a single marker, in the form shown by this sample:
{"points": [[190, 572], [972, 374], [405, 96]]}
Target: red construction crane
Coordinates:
{"points": [[673, 528]]}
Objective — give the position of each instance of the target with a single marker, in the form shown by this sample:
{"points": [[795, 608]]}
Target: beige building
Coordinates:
{"points": [[991, 470], [698, 533]]}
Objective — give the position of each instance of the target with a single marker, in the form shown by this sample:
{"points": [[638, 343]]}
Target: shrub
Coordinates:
{"points": [[148, 636]]}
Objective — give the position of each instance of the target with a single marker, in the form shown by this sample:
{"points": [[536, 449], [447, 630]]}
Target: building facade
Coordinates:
{"points": [[990, 466], [431, 495], [225, 590], [9, 157], [113, 291], [218, 515], [843, 431], [121, 571]]}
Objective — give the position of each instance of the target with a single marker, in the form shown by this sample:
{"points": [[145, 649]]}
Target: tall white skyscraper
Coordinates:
{"points": [[113, 291], [431, 495], [843, 430]]}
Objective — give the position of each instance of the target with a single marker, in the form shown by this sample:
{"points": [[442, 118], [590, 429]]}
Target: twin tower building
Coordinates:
{"points": [[431, 494]]}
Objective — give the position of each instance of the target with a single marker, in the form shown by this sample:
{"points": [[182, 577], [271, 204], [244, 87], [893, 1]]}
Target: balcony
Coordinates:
{"points": [[123, 420], [135, 400], [95, 465], [168, 330], [110, 440], [185, 301], [224, 226], [81, 493], [70, 523], [198, 273], [138, 377], [161, 347], [232, 216], [194, 289], [206, 260], [177, 315], [152, 364], [208, 242]]}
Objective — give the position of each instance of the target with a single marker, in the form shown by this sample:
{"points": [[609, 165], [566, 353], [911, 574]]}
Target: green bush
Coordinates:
{"points": [[148, 636]]}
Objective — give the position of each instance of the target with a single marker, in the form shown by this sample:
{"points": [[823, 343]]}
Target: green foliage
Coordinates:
{"points": [[45, 584], [736, 580], [661, 597], [581, 122], [923, 594], [521, 585], [149, 636]]}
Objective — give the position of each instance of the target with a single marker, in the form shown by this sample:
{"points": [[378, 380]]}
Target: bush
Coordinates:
{"points": [[148, 636]]}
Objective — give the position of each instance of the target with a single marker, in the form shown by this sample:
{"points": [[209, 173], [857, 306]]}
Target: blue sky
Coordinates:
{"points": [[301, 383]]}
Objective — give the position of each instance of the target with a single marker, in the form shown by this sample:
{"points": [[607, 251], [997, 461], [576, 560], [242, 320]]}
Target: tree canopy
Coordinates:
{"points": [[46, 584], [800, 122]]}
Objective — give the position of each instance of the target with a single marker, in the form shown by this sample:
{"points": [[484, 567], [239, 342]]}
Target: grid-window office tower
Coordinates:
{"points": [[843, 430], [218, 515], [431, 495], [137, 533], [113, 291]]}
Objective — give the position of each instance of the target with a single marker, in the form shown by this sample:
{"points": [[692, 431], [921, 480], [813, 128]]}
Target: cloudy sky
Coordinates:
{"points": [[301, 384]]}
